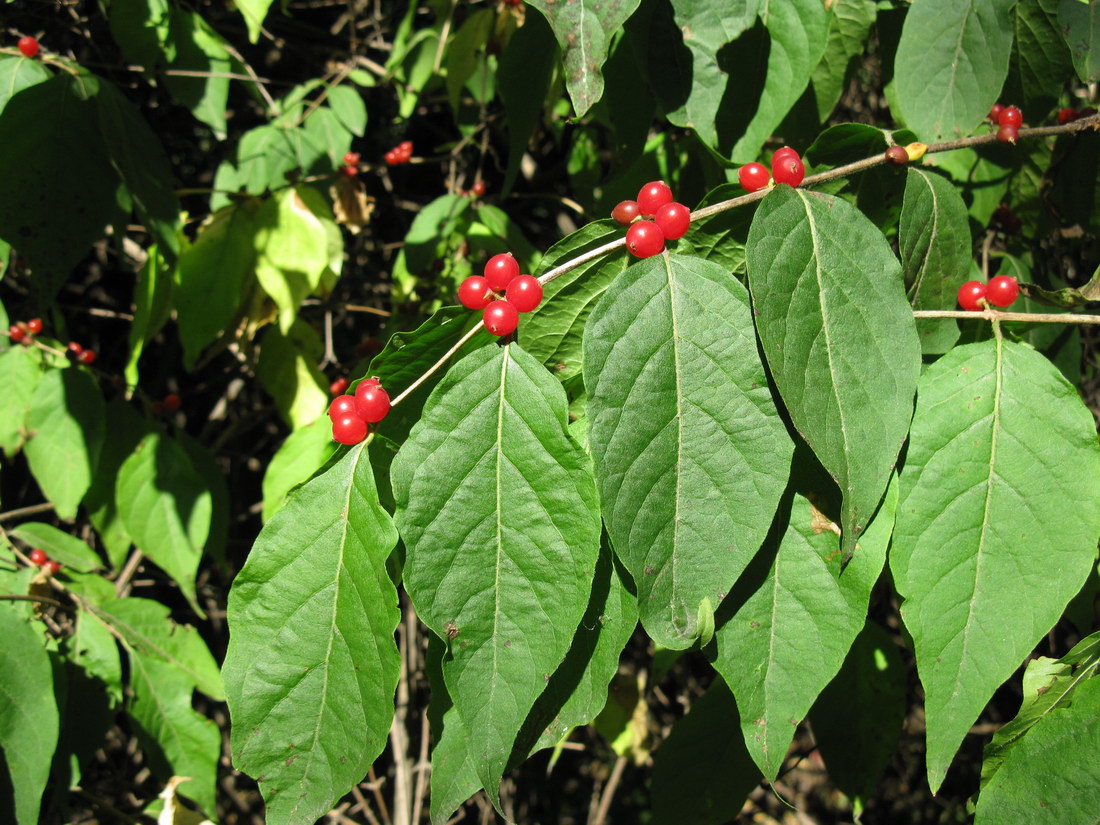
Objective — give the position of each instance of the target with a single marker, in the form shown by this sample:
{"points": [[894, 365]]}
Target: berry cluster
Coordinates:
{"points": [[787, 167], [168, 405], [23, 332], [28, 46], [1009, 119], [502, 293], [84, 355], [353, 414], [39, 557], [1001, 291], [670, 220], [399, 154], [350, 169]]}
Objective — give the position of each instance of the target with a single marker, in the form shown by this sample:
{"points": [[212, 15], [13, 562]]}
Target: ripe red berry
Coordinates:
{"points": [[1067, 115], [391, 158], [783, 152], [625, 212], [500, 270], [373, 381], [995, 112], [17, 333], [86, 357], [897, 155], [673, 220], [1002, 290], [524, 293], [475, 292], [1010, 116], [371, 401], [500, 318], [788, 169], [34, 326], [1008, 134], [349, 429], [970, 294], [338, 386], [753, 177], [38, 556], [341, 405], [405, 148], [653, 196], [644, 239], [349, 171], [351, 159], [478, 189], [75, 348], [172, 402], [51, 567], [28, 46]]}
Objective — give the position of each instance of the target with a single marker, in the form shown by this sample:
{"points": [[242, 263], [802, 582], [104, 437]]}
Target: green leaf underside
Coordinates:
{"points": [[498, 509], [1052, 775], [690, 468], [19, 373], [16, 74], [849, 23], [1080, 21], [790, 637], [28, 713], [934, 243], [951, 63], [312, 664], [982, 575], [839, 337]]}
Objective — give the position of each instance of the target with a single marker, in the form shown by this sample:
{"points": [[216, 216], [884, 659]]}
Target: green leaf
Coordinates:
{"points": [[465, 51], [951, 63], [720, 238], [312, 663], [1040, 59], [690, 452], [702, 772], [52, 212], [213, 476], [66, 423], [498, 510], [1080, 22], [584, 29], [141, 29], [454, 775], [995, 534], [552, 332], [839, 338], [934, 243], [857, 720], [177, 740], [288, 371], [849, 23], [326, 131], [523, 76], [789, 636], [28, 713], [165, 507], [16, 74], [982, 180], [253, 12], [69, 550], [94, 649], [19, 375], [152, 308], [148, 631], [1052, 774], [301, 455], [200, 49], [348, 104], [211, 275]]}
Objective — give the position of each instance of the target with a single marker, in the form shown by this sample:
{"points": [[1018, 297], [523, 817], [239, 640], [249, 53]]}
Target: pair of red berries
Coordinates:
{"points": [[168, 405], [28, 46], [350, 169], [353, 414], [83, 355], [670, 220], [1009, 119], [522, 293], [399, 154], [39, 557], [787, 167], [23, 331], [1001, 291]]}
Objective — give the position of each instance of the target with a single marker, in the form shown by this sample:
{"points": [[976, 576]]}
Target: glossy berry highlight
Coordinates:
{"points": [[625, 212], [789, 170], [52, 567], [372, 403], [500, 270], [475, 292], [1008, 134], [351, 159], [1010, 116], [34, 326], [500, 318], [753, 177], [1002, 291], [339, 386], [524, 293], [349, 430], [38, 556], [644, 239], [897, 156], [970, 296], [341, 405], [28, 46], [17, 333], [653, 196], [673, 219]]}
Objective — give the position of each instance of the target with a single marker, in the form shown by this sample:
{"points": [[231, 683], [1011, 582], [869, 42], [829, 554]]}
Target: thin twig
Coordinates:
{"points": [[122, 583], [995, 315], [30, 510], [255, 78], [609, 791], [18, 597], [432, 369]]}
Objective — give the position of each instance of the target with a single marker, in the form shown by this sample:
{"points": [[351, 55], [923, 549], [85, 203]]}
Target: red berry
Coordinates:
{"points": [[349, 429], [897, 155], [341, 405], [172, 402], [1010, 116], [475, 292], [644, 239], [970, 294], [783, 152], [351, 159], [86, 357], [995, 112], [788, 169], [75, 348], [51, 567], [371, 401], [500, 270], [34, 326], [524, 293], [373, 381], [1067, 115], [28, 46], [349, 171], [653, 196], [1008, 134], [405, 147], [673, 219], [339, 386], [38, 556], [478, 189], [391, 158], [1002, 290], [17, 333], [625, 212], [500, 318], [753, 177]]}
